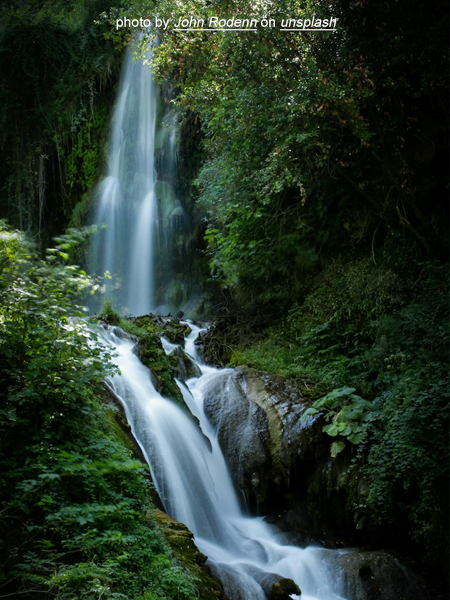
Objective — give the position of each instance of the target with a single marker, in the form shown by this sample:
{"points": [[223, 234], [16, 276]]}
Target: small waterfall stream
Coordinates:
{"points": [[193, 481], [126, 196]]}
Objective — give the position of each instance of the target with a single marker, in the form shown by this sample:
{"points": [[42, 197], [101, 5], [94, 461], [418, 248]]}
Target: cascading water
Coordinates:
{"points": [[145, 236], [147, 228], [191, 476]]}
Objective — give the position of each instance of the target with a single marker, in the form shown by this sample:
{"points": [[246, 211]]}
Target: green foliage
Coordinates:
{"points": [[311, 142], [348, 414], [82, 163], [55, 66], [74, 503], [384, 332], [108, 313]]}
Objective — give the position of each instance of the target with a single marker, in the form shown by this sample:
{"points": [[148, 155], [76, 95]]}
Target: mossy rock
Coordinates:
{"points": [[163, 367], [175, 331], [186, 366], [169, 327], [181, 542], [283, 588]]}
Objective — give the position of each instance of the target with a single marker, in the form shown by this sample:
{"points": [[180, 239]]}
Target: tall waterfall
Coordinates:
{"points": [[193, 481], [146, 228], [139, 248]]}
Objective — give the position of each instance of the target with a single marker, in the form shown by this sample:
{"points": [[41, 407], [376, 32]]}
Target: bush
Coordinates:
{"points": [[74, 516]]}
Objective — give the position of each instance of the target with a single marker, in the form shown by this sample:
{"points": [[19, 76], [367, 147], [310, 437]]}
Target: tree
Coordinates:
{"points": [[313, 141]]}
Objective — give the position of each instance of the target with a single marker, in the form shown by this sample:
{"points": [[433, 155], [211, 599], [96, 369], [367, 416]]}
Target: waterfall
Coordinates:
{"points": [[195, 486], [142, 245], [146, 228]]}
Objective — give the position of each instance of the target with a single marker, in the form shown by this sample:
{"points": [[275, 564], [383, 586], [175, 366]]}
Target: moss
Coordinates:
{"points": [[165, 368], [162, 366], [176, 332], [181, 542], [148, 330], [170, 328]]}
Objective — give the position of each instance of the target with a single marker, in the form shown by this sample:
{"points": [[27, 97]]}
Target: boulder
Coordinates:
{"points": [[282, 589], [377, 575], [243, 431], [284, 466]]}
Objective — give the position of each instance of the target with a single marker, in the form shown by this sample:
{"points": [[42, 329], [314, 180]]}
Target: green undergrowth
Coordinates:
{"points": [[79, 514], [75, 511], [372, 341]]}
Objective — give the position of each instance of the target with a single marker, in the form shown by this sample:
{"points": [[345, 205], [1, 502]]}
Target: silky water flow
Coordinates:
{"points": [[195, 486], [143, 224], [186, 462]]}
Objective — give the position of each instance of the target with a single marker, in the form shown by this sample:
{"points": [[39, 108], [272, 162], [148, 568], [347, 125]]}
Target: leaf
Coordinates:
{"points": [[336, 448], [49, 476], [338, 392], [331, 429], [308, 413], [357, 437]]}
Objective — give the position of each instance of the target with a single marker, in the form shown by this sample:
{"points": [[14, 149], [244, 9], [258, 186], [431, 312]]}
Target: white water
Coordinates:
{"points": [[194, 484], [147, 231], [126, 197]]}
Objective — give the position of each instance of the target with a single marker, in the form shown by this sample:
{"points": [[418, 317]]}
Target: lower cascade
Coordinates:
{"points": [[191, 476]]}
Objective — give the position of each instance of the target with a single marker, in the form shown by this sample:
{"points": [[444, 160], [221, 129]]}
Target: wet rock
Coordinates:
{"points": [[275, 586], [237, 584], [187, 368], [282, 589], [284, 466], [243, 431], [377, 575]]}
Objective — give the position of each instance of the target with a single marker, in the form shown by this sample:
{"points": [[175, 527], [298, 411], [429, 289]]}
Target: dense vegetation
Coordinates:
{"points": [[320, 173], [55, 97], [384, 334], [76, 515], [315, 141]]}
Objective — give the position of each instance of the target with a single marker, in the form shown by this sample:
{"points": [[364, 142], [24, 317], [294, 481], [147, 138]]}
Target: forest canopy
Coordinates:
{"points": [[313, 141]]}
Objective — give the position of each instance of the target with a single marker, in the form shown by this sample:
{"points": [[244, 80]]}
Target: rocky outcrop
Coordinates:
{"points": [[378, 576], [287, 468], [282, 465], [181, 542], [243, 431], [187, 368]]}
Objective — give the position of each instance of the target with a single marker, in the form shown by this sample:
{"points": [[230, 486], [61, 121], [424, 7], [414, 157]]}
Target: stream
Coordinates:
{"points": [[191, 476], [145, 249]]}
